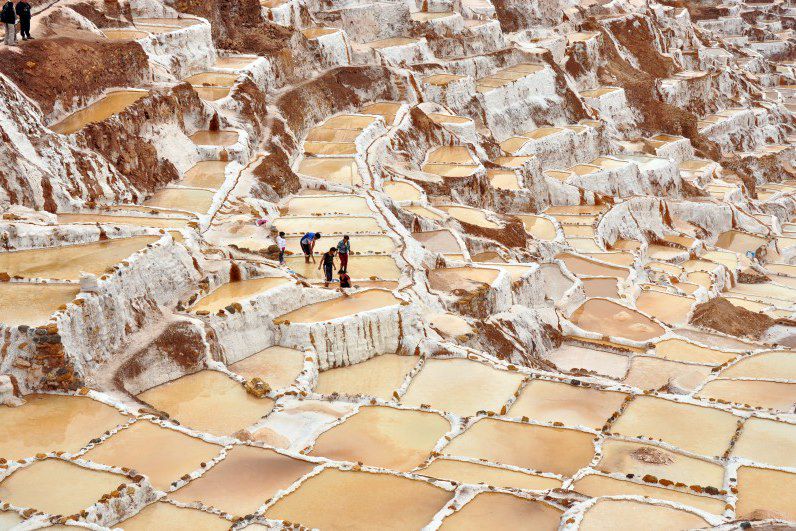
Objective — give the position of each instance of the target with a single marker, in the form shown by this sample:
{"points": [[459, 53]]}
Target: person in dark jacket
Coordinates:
{"points": [[327, 262], [9, 19], [23, 12]]}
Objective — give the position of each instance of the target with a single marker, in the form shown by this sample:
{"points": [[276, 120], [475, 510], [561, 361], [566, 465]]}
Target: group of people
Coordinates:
{"points": [[328, 259], [9, 15]]}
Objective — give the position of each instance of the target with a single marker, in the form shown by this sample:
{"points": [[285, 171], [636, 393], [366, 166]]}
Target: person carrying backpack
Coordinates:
{"points": [[9, 19], [23, 12]]}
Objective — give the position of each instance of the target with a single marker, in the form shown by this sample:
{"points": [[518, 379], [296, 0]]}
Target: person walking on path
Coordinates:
{"points": [[281, 243], [307, 243], [327, 262], [23, 12], [9, 19], [343, 248]]}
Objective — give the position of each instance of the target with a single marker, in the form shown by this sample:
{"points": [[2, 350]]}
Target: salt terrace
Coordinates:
{"points": [[572, 262]]}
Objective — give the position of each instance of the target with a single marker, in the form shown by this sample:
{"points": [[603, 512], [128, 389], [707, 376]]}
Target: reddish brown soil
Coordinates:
{"points": [[113, 16], [721, 315], [275, 177], [64, 69]]}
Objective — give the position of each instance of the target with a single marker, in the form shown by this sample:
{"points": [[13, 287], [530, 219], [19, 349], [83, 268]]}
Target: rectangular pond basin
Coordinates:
{"points": [[340, 170], [359, 244], [671, 309], [461, 386], [326, 226], [402, 191], [336, 499], [327, 205], [113, 103], [195, 200], [139, 221], [612, 319], [470, 215], [629, 457], [538, 226], [208, 401], [571, 405], [524, 445], [474, 473], [162, 514], [244, 480], [359, 267], [57, 487], [580, 265], [423, 212], [234, 61], [68, 261], [438, 241], [767, 365], [379, 376], [162, 454], [647, 372], [638, 515], [215, 138], [206, 174], [568, 357], [772, 492], [33, 304], [779, 396], [48, 423], [466, 278], [362, 301], [385, 437], [595, 485], [277, 366], [698, 429], [492, 510], [240, 291], [767, 441]]}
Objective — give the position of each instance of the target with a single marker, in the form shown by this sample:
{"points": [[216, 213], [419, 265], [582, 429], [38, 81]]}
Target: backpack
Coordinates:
{"points": [[7, 14]]}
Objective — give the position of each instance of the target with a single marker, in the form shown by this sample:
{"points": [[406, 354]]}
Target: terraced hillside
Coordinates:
{"points": [[572, 260]]}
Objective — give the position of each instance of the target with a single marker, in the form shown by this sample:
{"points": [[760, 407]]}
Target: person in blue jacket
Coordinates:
{"points": [[307, 243]]}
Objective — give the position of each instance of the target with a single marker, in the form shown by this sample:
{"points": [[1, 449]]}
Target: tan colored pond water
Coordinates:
{"points": [[503, 179], [698, 429], [632, 515], [527, 446], [584, 245], [162, 514], [140, 221], [740, 242], [774, 395], [423, 212], [465, 278], [671, 309], [214, 138], [217, 79], [465, 472], [68, 261], [473, 216], [206, 174], [681, 350], [583, 266], [547, 401], [240, 291], [767, 441], [362, 301], [439, 241], [628, 457], [450, 170], [208, 401], [335, 499], [359, 267], [162, 454], [401, 191], [449, 325], [595, 485], [568, 357], [578, 231], [383, 437], [329, 148], [114, 103], [234, 61], [57, 487], [539, 227], [767, 365], [766, 291], [32, 304], [278, 366], [190, 199], [601, 287], [9, 519], [506, 511], [244, 480], [47, 423], [340, 170], [609, 318], [461, 386], [328, 204], [327, 226], [359, 244], [212, 93], [761, 489], [385, 109], [378, 376], [653, 373], [716, 340]]}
